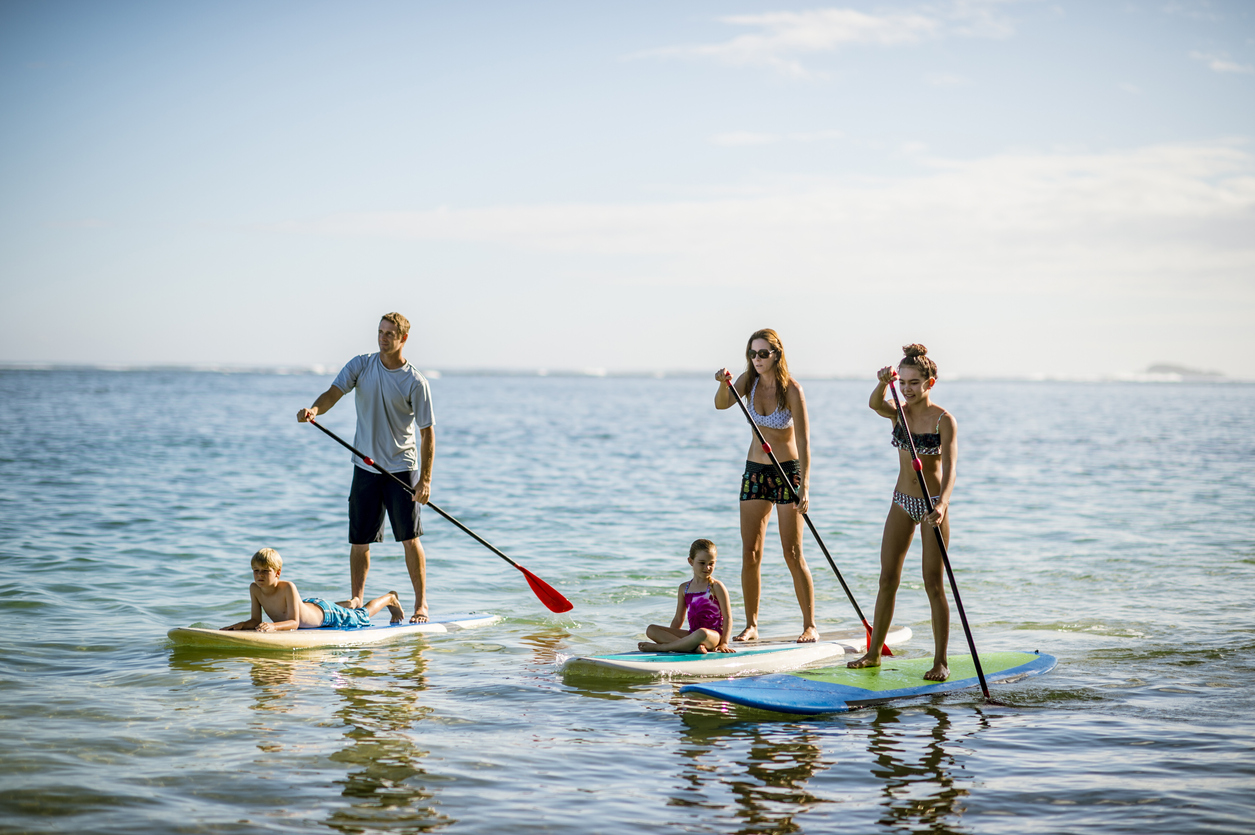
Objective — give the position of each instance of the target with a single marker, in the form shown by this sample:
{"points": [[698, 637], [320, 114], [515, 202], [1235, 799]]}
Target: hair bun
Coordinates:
{"points": [[914, 350]]}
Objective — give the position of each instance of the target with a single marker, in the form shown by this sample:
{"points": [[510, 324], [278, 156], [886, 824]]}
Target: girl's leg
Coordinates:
{"points": [[701, 640], [664, 634], [935, 585], [790, 522], [754, 516], [894, 543]]}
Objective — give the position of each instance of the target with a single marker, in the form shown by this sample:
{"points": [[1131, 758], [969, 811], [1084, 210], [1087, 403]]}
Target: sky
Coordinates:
{"points": [[1028, 188]]}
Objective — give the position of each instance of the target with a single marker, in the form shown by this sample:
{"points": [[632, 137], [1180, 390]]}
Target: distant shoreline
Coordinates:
{"points": [[1157, 374]]}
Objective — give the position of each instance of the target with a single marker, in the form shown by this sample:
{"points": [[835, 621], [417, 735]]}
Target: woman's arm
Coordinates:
{"points": [[949, 467], [721, 594], [877, 403], [678, 620], [723, 397], [802, 436]]}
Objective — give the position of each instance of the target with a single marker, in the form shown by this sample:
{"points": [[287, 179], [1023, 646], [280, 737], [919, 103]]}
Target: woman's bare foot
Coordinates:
{"points": [[647, 646], [419, 616], [394, 608], [749, 633], [701, 649], [867, 660], [809, 635], [939, 672]]}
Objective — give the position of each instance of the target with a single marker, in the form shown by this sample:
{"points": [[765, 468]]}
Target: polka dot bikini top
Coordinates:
{"points": [[781, 418]]}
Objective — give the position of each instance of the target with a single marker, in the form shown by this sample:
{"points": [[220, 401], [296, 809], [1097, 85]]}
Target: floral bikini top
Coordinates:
{"points": [[781, 418], [926, 443]]}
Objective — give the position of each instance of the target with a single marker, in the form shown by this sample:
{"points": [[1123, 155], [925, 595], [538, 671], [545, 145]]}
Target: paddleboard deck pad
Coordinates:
{"points": [[840, 689], [325, 637], [765, 656]]}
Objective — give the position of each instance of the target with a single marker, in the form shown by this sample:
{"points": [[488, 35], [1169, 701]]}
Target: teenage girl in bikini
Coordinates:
{"points": [[705, 601], [778, 406], [938, 448]]}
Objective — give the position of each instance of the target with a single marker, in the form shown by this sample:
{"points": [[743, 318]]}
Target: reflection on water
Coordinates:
{"points": [[386, 788], [767, 780], [916, 768]]}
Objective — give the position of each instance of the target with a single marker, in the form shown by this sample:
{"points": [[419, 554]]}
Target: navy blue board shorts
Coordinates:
{"points": [[374, 493]]}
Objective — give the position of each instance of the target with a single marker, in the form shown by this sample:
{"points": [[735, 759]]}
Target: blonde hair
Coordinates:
{"points": [[782, 366], [267, 558], [403, 324]]}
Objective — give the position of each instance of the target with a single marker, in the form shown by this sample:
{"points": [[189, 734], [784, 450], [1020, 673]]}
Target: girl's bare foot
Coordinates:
{"points": [[867, 660], [394, 608], [749, 633], [809, 635], [939, 672]]}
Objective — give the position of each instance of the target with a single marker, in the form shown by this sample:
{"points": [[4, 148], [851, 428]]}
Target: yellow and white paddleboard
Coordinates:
{"points": [[324, 637]]}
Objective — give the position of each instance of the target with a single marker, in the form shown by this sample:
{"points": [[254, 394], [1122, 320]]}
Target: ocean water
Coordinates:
{"points": [[1106, 524]]}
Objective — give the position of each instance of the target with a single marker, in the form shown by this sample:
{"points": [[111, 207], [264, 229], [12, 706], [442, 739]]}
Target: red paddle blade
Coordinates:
{"points": [[548, 595], [884, 650]]}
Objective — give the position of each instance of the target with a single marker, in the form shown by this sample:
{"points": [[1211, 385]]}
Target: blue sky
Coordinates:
{"points": [[1029, 188]]}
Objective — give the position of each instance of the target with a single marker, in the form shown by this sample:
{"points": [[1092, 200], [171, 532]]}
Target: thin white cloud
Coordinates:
{"points": [[1148, 221], [779, 38], [743, 138], [1222, 63]]}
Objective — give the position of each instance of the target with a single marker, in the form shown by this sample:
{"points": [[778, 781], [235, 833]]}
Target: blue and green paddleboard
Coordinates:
{"points": [[839, 689]]}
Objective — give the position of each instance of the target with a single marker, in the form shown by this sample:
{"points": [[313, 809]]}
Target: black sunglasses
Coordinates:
{"points": [[762, 355]]}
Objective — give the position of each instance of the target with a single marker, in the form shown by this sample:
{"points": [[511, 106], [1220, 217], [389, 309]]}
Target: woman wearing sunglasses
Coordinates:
{"points": [[778, 406]]}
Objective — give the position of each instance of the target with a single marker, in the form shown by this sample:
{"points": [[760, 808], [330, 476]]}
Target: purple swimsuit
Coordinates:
{"points": [[703, 610]]}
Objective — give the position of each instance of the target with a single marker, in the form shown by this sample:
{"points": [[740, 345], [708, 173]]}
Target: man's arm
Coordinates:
{"points": [[426, 457], [325, 401]]}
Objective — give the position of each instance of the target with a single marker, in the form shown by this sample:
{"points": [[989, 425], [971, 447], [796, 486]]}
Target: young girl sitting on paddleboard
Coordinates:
{"points": [[705, 600], [937, 444]]}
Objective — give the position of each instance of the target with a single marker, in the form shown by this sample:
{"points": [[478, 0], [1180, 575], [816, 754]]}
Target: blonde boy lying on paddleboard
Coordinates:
{"points": [[280, 599]]}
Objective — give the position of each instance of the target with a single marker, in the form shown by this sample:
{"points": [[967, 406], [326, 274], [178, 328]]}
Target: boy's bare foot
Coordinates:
{"points": [[419, 616], [647, 646], [394, 608], [939, 672], [809, 635], [749, 633], [867, 660]]}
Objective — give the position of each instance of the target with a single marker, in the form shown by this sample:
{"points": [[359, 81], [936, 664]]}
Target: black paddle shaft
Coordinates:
{"points": [[918, 466], [789, 485], [410, 490]]}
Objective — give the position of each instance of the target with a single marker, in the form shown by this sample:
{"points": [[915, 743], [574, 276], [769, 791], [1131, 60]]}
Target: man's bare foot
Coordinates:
{"points": [[647, 646], [419, 616], [353, 603], [749, 633], [939, 672], [809, 635], [867, 660], [394, 608]]}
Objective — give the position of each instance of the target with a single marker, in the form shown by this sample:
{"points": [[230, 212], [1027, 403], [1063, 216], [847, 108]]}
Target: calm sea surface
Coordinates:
{"points": [[1107, 524]]}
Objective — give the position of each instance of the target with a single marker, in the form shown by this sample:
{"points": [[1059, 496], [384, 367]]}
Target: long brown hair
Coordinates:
{"points": [[782, 367]]}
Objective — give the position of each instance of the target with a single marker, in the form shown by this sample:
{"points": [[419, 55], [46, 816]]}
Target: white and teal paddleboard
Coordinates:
{"points": [[325, 636], [766, 656], [839, 689]]}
